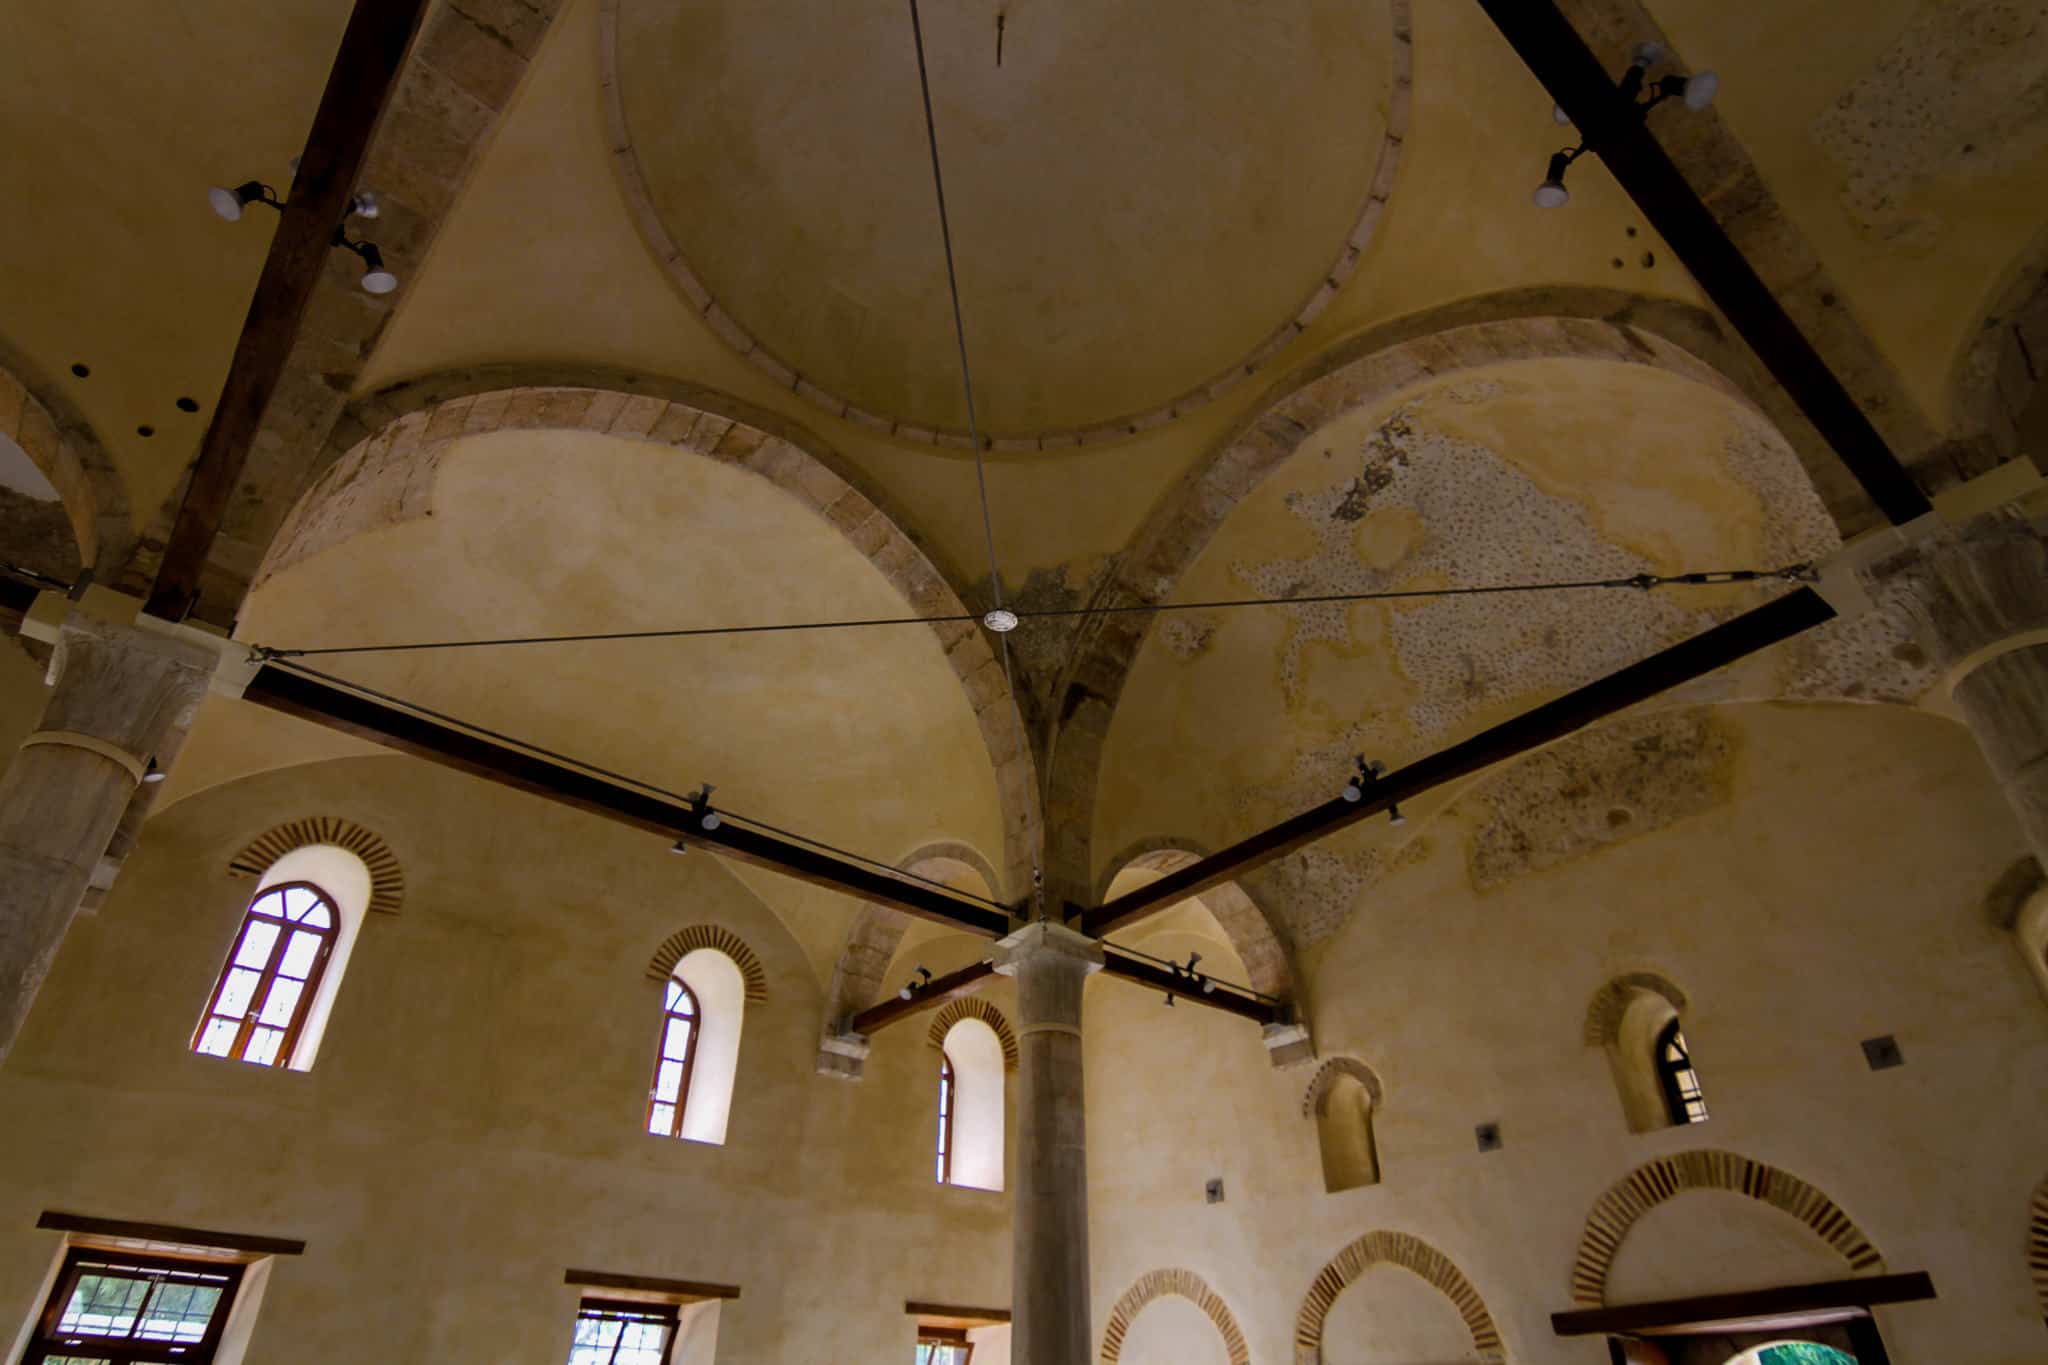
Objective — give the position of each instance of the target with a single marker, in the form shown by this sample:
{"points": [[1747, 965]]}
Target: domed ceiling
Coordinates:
{"points": [[1141, 206]]}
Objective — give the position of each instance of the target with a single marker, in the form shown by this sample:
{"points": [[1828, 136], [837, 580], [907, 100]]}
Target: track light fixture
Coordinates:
{"points": [[920, 979], [700, 799], [229, 204], [1696, 92], [1394, 816], [1368, 773], [153, 773]]}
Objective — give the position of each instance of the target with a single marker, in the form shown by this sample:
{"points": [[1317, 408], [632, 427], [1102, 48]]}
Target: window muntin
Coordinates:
{"points": [[609, 1332], [273, 971], [943, 1346], [143, 1310], [944, 1166], [673, 1062], [1682, 1094]]}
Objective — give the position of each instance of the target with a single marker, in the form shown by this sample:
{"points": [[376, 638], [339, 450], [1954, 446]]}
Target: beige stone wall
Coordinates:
{"points": [[472, 1128], [1835, 893]]}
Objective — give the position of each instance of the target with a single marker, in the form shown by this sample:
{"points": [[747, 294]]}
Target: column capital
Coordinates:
{"points": [[124, 685], [1044, 941], [1972, 592]]}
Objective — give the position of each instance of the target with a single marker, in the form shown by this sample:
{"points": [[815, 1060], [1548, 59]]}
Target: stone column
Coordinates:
{"points": [[120, 695], [1049, 1322], [1977, 599]]}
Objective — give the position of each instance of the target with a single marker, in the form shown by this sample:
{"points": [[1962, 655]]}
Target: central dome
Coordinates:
{"points": [[1144, 199]]}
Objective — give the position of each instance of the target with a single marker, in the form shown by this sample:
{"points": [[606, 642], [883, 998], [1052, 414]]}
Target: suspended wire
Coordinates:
{"points": [[1644, 582], [626, 779]]}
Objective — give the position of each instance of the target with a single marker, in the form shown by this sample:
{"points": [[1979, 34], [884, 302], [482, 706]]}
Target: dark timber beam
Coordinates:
{"points": [[365, 72], [1615, 130], [951, 986], [1745, 1306], [1230, 999], [1760, 628], [336, 708]]}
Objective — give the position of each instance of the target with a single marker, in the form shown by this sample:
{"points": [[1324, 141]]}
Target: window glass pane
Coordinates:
{"points": [[642, 1344], [262, 1048], [103, 1305], [621, 1337], [219, 1037], [675, 993], [255, 950], [282, 1000], [299, 955], [668, 1081], [234, 997], [179, 1312], [661, 1119], [319, 917], [76, 1360], [298, 902], [675, 1040]]}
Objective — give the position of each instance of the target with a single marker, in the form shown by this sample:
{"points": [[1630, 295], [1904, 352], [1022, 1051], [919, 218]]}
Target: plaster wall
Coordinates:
{"points": [[474, 1124], [1834, 894]]}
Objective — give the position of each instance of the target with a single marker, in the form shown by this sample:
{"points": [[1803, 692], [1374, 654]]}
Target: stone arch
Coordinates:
{"points": [[1410, 1253], [387, 879], [1255, 933], [1995, 380], [735, 335], [1654, 1182], [59, 442], [689, 939], [1317, 1095], [1159, 1284], [1597, 325], [1611, 1002], [382, 461], [974, 1007], [2037, 1246], [877, 931]]}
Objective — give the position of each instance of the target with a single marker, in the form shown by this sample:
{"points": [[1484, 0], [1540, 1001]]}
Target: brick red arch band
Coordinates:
{"points": [[1411, 1254], [387, 879], [717, 937], [974, 1007], [1159, 1284]]}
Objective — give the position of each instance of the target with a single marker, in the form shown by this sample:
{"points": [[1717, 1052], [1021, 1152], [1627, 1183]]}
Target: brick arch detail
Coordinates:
{"points": [[387, 475], [1174, 1282], [974, 1007], [1598, 325], [1316, 1098], [1257, 935], [59, 442], [1410, 1253], [876, 931], [1611, 1002], [2037, 1246], [1654, 1182], [387, 878], [717, 937]]}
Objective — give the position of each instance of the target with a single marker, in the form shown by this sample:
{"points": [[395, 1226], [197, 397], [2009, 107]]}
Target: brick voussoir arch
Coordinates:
{"points": [[1654, 1182], [717, 937], [2037, 1246], [974, 1007], [387, 879], [1159, 1284], [386, 474], [1317, 1097], [1589, 324], [1410, 1253]]}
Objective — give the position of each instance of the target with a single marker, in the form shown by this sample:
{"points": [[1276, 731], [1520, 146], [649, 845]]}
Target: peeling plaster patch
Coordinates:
{"points": [[1962, 92], [1186, 636], [1039, 648], [1315, 891], [1620, 781], [1872, 657]]}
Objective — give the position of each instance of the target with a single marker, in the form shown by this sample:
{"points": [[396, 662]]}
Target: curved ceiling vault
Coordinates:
{"points": [[863, 738]]}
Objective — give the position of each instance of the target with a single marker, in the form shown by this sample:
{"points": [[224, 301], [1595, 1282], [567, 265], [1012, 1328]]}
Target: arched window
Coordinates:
{"points": [[671, 1089], [1682, 1097], [271, 1002], [944, 1171], [971, 1106], [697, 1055], [1344, 1135]]}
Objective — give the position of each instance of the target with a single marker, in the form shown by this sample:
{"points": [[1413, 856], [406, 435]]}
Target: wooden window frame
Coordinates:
{"points": [[1676, 1102], [949, 1105], [682, 1100], [287, 1046], [48, 1342], [670, 1313], [955, 1337]]}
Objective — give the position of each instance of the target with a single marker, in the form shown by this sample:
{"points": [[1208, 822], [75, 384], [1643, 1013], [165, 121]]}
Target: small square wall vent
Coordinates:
{"points": [[1213, 1191], [1488, 1136], [1883, 1053]]}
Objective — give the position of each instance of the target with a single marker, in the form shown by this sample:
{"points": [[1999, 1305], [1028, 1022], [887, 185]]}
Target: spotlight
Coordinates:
{"points": [[1552, 194], [230, 203], [711, 820], [1208, 986], [1394, 816], [679, 847], [1700, 89], [1559, 116], [376, 279], [364, 204], [1169, 1000], [153, 773], [905, 993]]}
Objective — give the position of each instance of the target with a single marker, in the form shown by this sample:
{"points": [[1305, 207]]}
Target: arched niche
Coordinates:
{"points": [[1343, 1099], [1187, 1321], [1390, 1317], [1627, 1020], [1405, 1252]]}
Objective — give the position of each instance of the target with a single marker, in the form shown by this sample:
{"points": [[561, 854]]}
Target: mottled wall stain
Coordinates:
{"points": [[1315, 891], [1617, 782], [1962, 92]]}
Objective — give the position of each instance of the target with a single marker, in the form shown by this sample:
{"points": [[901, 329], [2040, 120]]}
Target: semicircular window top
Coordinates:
{"points": [[276, 990], [698, 1047]]}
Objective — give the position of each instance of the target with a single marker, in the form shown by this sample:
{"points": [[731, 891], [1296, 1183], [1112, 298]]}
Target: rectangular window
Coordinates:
{"points": [[943, 1346], [613, 1332], [135, 1310]]}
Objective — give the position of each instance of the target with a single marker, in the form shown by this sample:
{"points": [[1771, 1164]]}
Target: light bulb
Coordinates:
{"points": [[379, 281], [1559, 116], [1551, 194], [711, 820], [1700, 89], [226, 203]]}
